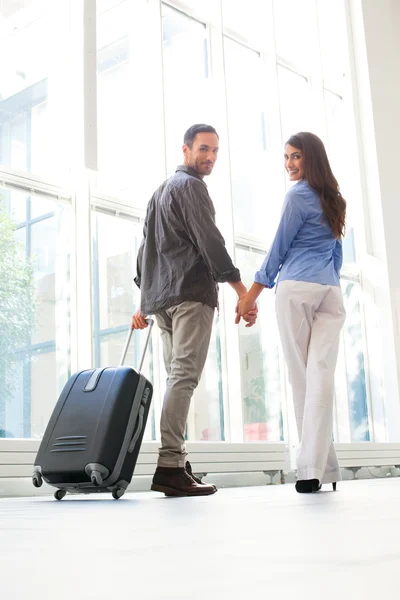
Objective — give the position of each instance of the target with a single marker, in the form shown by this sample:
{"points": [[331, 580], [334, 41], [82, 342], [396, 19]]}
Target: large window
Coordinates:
{"points": [[35, 309], [34, 86], [258, 73]]}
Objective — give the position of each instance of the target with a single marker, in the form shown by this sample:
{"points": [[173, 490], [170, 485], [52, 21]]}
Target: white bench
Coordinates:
{"points": [[354, 456], [18, 455], [269, 458], [17, 458]]}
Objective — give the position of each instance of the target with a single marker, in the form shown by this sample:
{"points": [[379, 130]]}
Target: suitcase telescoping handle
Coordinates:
{"points": [[150, 323]]}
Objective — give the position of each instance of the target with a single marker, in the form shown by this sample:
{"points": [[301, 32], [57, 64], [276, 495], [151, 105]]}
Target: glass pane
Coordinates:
{"points": [[294, 94], [115, 244], [13, 423], [332, 27], [34, 85], [16, 204], [336, 121], [13, 142], [355, 363], [44, 251], [208, 397], [349, 251], [34, 316], [249, 170], [114, 83], [41, 206], [129, 102], [185, 61], [260, 367], [340, 158], [249, 23], [43, 396], [295, 32]]}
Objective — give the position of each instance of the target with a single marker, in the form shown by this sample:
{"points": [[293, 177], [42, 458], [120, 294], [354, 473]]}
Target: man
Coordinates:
{"points": [[180, 260]]}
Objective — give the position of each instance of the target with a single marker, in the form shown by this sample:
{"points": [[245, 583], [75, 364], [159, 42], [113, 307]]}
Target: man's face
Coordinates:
{"points": [[203, 153]]}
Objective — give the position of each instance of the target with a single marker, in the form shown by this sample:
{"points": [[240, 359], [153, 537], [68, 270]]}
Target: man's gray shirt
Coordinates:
{"points": [[182, 255]]}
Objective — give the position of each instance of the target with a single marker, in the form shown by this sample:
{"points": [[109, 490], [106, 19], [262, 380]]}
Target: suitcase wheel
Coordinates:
{"points": [[37, 480], [96, 478], [59, 494], [118, 493]]}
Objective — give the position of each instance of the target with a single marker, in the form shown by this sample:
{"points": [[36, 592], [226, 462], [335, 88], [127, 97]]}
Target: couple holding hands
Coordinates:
{"points": [[183, 257]]}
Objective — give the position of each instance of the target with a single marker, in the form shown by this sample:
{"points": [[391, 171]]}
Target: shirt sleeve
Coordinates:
{"points": [[338, 257], [139, 258], [292, 218], [138, 278], [197, 215]]}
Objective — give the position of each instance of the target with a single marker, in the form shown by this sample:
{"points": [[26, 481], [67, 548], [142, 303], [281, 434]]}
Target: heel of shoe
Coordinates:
{"points": [[334, 486]]}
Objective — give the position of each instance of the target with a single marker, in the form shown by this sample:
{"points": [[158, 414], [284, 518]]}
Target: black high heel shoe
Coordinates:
{"points": [[310, 486], [307, 486]]}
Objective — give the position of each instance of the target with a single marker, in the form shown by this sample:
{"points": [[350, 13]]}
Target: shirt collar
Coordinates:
{"points": [[189, 171]]}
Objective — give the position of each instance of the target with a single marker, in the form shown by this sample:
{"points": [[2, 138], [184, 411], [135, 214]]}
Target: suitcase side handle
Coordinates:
{"points": [[150, 323]]}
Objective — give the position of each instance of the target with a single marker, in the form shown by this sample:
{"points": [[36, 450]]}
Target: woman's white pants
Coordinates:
{"points": [[310, 317]]}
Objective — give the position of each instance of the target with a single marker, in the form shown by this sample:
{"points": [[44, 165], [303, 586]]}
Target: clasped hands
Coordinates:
{"points": [[246, 309]]}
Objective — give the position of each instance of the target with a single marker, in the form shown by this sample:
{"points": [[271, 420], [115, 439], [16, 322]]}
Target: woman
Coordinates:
{"points": [[307, 253]]}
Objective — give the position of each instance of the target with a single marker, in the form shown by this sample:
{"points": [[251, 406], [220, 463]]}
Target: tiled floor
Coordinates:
{"points": [[243, 543]]}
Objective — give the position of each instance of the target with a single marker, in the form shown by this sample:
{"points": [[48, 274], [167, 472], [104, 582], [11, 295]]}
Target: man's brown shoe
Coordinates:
{"points": [[188, 468], [178, 482]]}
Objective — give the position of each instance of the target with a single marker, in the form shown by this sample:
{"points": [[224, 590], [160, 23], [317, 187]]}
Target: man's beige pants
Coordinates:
{"points": [[185, 333], [310, 317]]}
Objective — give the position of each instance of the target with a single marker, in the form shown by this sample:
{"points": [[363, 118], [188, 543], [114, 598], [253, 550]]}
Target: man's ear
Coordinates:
{"points": [[185, 150]]}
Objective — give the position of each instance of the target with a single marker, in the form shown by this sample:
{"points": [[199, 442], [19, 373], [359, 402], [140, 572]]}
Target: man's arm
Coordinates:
{"points": [[138, 319], [139, 258], [138, 278], [197, 217]]}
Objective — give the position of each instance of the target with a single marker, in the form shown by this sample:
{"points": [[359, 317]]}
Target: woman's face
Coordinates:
{"points": [[294, 162]]}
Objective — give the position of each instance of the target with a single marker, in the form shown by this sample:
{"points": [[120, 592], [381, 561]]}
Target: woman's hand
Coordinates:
{"points": [[246, 309]]}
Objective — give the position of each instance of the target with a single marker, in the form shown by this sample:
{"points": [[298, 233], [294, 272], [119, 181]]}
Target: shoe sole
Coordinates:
{"points": [[178, 493]]}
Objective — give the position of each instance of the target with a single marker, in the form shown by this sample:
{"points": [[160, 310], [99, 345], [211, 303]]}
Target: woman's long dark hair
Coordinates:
{"points": [[319, 176]]}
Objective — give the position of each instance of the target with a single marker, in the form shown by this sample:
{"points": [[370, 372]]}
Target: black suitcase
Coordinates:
{"points": [[92, 441]]}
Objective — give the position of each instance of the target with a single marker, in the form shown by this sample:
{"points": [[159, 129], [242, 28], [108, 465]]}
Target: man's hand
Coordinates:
{"points": [[139, 320], [250, 316]]}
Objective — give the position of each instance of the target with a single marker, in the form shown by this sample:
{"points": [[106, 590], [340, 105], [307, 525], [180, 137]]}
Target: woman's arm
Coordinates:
{"points": [[338, 257], [292, 218]]}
